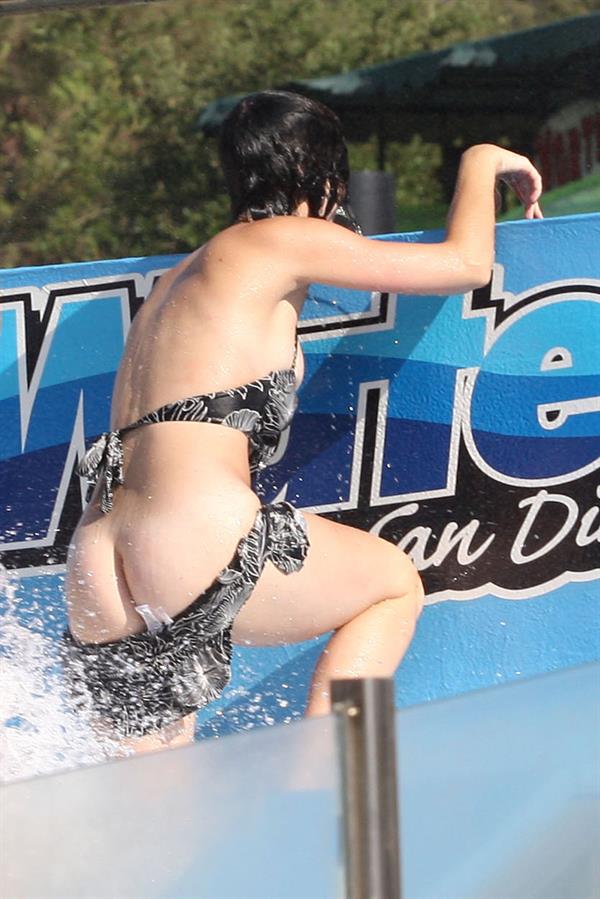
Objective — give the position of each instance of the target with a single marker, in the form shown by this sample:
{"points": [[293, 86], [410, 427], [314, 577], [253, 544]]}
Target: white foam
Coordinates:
{"points": [[38, 732]]}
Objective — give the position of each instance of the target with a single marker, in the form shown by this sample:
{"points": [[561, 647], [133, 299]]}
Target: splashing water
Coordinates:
{"points": [[38, 732]]}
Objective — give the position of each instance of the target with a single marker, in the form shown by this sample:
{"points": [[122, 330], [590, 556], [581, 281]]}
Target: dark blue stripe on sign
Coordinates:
{"points": [[29, 486], [416, 456], [10, 428], [531, 457], [317, 461]]}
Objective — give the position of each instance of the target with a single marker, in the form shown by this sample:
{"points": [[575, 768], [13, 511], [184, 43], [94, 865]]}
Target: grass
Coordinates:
{"points": [[570, 199]]}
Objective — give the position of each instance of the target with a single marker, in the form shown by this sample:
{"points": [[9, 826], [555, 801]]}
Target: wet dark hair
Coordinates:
{"points": [[278, 149]]}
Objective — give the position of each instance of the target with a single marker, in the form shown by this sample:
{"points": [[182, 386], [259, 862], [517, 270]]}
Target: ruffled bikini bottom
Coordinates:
{"points": [[146, 681]]}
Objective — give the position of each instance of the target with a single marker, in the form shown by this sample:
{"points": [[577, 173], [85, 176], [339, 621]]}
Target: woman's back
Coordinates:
{"points": [[223, 318]]}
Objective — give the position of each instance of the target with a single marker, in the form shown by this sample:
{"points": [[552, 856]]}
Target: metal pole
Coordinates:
{"points": [[382, 113], [17, 7], [365, 714]]}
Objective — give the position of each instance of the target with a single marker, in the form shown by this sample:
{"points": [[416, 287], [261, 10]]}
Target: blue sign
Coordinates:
{"points": [[464, 429]]}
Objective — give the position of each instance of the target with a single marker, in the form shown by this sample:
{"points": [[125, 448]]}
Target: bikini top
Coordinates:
{"points": [[262, 409]]}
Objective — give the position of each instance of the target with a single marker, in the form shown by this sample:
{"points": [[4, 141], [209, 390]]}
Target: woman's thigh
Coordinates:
{"points": [[346, 571]]}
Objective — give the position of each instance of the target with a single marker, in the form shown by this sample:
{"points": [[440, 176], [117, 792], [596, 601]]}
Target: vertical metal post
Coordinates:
{"points": [[365, 715], [382, 114]]}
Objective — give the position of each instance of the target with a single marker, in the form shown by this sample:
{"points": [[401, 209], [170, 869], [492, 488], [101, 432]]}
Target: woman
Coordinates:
{"points": [[174, 556]]}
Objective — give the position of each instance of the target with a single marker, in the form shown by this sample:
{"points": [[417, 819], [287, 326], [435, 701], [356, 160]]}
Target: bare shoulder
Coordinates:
{"points": [[317, 250], [301, 251], [280, 243], [280, 230]]}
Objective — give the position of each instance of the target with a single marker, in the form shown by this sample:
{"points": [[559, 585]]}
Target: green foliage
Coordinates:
{"points": [[99, 155], [575, 198]]}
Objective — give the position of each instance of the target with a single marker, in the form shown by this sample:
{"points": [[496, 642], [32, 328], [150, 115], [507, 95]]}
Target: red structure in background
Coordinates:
{"points": [[568, 151]]}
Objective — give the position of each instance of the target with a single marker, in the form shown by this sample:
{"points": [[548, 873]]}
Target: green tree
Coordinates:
{"points": [[99, 153]]}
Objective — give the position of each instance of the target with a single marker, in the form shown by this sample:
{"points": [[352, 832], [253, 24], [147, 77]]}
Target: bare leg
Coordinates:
{"points": [[371, 645], [180, 733], [364, 588]]}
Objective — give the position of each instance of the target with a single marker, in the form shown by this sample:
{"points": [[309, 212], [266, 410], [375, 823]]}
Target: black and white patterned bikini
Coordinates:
{"points": [[146, 681]]}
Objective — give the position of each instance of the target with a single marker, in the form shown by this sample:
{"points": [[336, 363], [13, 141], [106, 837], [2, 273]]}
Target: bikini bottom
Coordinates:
{"points": [[146, 681]]}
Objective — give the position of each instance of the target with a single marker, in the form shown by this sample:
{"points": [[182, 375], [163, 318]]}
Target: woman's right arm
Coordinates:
{"points": [[321, 252]]}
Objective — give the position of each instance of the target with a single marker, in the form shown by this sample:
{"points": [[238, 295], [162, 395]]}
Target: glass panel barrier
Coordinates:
{"points": [[499, 791], [250, 816]]}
